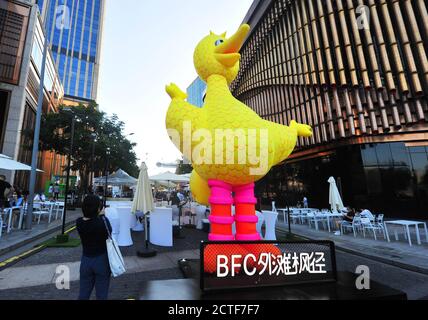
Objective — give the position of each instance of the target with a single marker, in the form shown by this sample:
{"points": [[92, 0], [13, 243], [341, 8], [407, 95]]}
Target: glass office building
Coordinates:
{"points": [[196, 92], [357, 72], [74, 28]]}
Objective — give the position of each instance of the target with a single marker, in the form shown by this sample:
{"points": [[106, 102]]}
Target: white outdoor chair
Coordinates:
{"points": [[355, 225], [39, 212], [367, 214], [368, 225], [380, 219], [59, 210]]}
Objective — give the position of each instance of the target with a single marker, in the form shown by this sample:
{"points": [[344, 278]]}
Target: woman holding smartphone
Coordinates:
{"points": [[94, 267]]}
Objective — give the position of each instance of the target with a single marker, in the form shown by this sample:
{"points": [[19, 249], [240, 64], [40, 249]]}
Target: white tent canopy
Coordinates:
{"points": [[6, 163], [335, 199], [170, 177], [119, 178]]}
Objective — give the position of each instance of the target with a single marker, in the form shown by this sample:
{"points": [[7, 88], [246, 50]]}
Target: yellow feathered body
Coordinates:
{"points": [[225, 139]]}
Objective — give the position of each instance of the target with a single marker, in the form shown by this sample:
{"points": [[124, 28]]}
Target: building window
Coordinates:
{"points": [[4, 107], [13, 28]]}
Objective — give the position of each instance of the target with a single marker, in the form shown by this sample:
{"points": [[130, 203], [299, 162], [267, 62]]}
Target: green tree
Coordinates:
{"points": [[90, 124]]}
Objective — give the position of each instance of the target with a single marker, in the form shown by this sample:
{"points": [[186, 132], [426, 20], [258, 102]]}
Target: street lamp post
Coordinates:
{"points": [[67, 183], [36, 138], [94, 136], [106, 176]]}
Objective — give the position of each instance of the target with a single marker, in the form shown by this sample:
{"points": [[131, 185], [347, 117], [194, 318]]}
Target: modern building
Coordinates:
{"points": [[75, 31], [357, 72], [196, 92], [21, 51]]}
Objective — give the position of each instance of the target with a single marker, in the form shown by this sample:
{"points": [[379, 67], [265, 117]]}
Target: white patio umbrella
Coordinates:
{"points": [[335, 199], [143, 199], [143, 203], [7, 163]]}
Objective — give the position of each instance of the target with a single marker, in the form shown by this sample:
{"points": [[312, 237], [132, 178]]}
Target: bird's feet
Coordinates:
{"points": [[175, 92], [303, 130]]}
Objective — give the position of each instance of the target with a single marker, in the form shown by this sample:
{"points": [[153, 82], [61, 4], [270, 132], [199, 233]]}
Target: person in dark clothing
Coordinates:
{"points": [[5, 189], [94, 268]]}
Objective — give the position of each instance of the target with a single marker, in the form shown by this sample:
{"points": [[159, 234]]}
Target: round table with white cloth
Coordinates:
{"points": [[113, 217], [161, 227], [127, 220], [200, 215], [270, 220]]}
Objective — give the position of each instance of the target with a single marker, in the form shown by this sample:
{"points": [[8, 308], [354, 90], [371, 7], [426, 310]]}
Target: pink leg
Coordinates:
{"points": [[245, 215], [221, 212]]}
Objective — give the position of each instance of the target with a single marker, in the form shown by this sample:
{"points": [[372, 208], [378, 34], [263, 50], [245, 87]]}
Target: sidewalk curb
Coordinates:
{"points": [[36, 249], [393, 263]]}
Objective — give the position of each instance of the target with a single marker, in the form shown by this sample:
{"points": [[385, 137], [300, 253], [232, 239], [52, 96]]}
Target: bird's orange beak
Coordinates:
{"points": [[228, 52]]}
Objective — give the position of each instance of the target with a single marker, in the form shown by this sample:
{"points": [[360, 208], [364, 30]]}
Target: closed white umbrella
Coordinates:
{"points": [[143, 203], [143, 199], [6, 163], [335, 199]]}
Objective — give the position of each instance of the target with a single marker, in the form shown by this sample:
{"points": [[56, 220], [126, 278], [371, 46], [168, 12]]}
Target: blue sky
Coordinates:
{"points": [[146, 45]]}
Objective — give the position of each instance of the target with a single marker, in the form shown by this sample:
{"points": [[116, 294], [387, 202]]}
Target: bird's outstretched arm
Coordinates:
{"points": [[181, 117], [303, 130], [179, 106], [175, 92]]}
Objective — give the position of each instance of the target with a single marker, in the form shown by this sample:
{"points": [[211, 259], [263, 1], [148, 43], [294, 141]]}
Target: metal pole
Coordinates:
{"points": [[93, 165], [67, 182], [106, 173], [36, 138]]}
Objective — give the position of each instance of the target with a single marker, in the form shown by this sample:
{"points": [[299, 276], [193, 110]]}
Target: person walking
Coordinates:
{"points": [[5, 190], [305, 203], [56, 191], [51, 192], [94, 268]]}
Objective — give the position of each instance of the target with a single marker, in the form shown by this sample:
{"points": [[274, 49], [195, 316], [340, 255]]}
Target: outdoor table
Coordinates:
{"points": [[325, 216], [113, 217], [284, 214], [126, 222], [161, 227], [406, 224], [200, 215], [260, 223], [270, 220]]}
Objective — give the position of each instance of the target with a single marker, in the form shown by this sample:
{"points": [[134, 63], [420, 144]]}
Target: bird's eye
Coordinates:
{"points": [[219, 42]]}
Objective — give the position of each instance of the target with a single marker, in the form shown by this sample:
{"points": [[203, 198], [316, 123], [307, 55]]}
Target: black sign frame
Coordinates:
{"points": [[330, 244]]}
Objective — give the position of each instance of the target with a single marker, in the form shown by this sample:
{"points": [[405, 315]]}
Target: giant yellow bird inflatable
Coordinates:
{"points": [[231, 147]]}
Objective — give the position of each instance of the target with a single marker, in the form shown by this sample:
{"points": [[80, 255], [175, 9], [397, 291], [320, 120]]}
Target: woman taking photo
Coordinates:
{"points": [[94, 267]]}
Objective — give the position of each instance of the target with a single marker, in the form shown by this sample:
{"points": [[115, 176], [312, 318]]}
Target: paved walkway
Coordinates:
{"points": [[32, 276], [397, 253]]}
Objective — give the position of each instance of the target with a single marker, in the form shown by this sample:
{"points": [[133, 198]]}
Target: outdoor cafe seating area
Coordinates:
{"points": [[366, 224], [13, 218]]}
